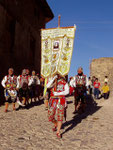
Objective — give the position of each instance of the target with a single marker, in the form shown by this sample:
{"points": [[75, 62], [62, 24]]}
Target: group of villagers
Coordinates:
{"points": [[17, 89]]}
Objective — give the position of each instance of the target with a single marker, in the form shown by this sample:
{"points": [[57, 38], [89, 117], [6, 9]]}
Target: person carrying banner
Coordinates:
{"points": [[57, 102], [9, 83], [80, 82]]}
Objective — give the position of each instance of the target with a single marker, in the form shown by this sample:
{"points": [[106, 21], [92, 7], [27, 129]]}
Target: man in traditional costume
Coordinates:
{"points": [[80, 83], [22, 86], [28, 73], [57, 102], [34, 83], [9, 82]]}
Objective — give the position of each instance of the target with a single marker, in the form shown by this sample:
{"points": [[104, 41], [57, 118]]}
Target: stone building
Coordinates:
{"points": [[103, 67], [20, 41]]}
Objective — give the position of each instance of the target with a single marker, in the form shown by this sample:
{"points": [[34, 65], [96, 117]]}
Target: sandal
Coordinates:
{"points": [[14, 109], [58, 135], [6, 111], [54, 129], [46, 108]]}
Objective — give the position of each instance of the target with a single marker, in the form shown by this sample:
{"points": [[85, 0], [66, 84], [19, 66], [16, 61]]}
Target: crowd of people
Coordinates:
{"points": [[95, 88], [25, 88], [22, 89]]}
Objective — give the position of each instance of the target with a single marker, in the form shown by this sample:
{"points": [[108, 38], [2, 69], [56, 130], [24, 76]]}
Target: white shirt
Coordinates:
{"points": [[3, 82], [18, 81], [106, 80], [89, 83], [31, 80], [66, 88]]}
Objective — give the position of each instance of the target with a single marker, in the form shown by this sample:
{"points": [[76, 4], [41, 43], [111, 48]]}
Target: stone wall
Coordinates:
{"points": [[103, 67]]}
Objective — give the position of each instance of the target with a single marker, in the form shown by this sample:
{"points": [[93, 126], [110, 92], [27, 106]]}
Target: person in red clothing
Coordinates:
{"points": [[96, 88], [22, 87], [9, 83], [57, 101]]}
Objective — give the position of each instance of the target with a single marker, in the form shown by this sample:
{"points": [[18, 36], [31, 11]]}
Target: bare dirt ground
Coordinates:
{"points": [[29, 129]]}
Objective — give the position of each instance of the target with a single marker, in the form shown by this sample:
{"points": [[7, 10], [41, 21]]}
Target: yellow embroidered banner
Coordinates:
{"points": [[56, 50]]}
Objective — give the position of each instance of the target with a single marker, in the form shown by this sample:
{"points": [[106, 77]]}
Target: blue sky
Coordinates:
{"points": [[94, 34]]}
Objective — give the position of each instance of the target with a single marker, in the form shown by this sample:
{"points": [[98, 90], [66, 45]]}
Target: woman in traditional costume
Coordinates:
{"points": [[57, 102]]}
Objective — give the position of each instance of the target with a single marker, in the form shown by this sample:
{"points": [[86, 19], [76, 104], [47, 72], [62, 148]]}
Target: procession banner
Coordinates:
{"points": [[56, 50]]}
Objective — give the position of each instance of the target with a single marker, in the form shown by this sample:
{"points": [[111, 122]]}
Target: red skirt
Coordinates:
{"points": [[56, 107]]}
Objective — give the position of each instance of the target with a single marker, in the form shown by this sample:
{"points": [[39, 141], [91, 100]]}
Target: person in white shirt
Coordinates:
{"points": [[34, 83], [80, 83], [34, 80], [9, 83], [106, 79], [22, 86], [89, 86]]}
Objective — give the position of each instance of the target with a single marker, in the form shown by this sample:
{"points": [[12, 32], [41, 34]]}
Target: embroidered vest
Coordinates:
{"points": [[34, 78], [60, 87], [11, 82], [80, 80], [23, 79]]}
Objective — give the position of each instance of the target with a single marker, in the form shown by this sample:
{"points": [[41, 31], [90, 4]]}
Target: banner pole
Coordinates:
{"points": [[59, 17]]}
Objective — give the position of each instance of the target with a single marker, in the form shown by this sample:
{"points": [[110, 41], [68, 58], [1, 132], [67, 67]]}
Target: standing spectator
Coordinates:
{"points": [[93, 80], [96, 88], [89, 86], [105, 90], [106, 79]]}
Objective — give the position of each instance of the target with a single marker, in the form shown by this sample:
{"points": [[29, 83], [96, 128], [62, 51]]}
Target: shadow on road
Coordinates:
{"points": [[37, 103], [91, 108], [33, 104]]}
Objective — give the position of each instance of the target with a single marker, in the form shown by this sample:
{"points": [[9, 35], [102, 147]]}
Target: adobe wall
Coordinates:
{"points": [[20, 38], [103, 67]]}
